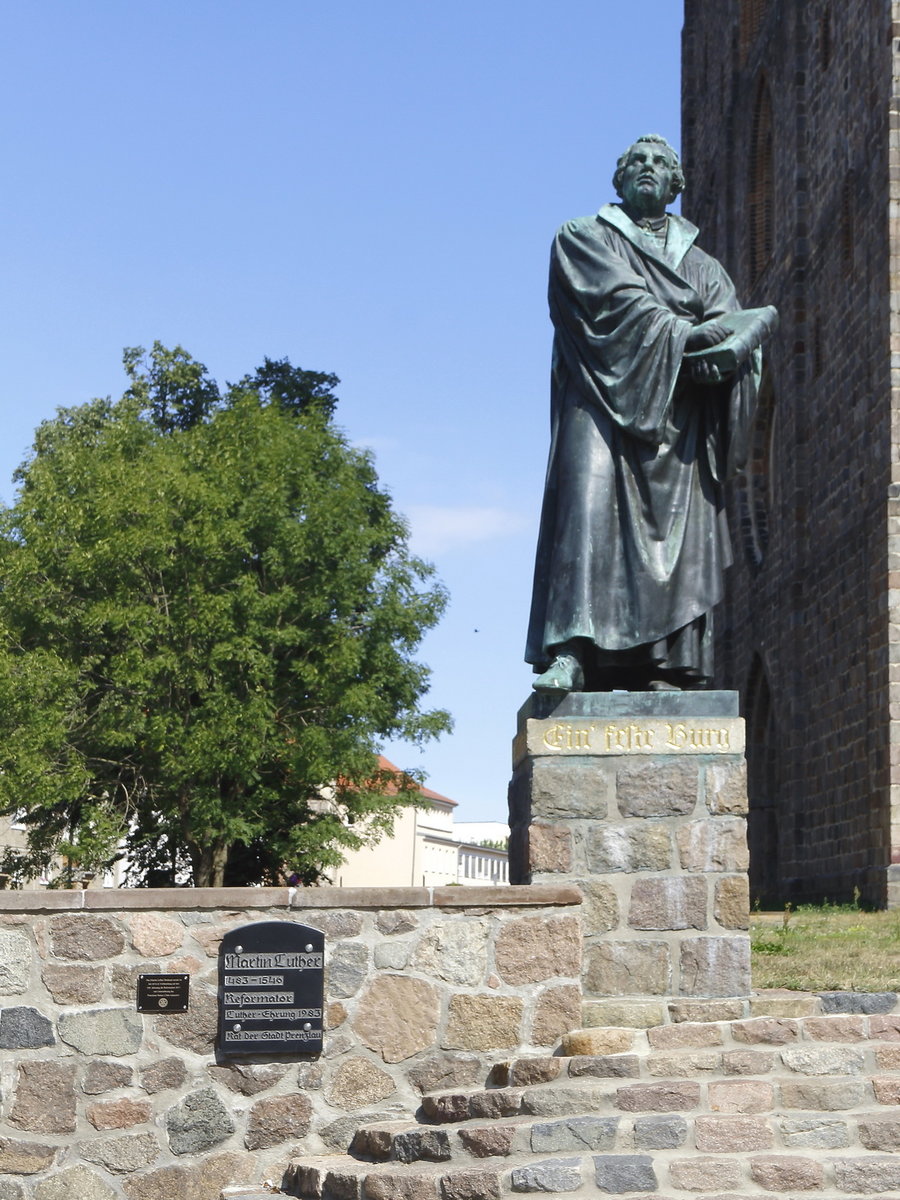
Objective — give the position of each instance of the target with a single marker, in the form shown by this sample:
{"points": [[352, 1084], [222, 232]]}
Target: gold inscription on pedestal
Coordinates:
{"points": [[700, 735]]}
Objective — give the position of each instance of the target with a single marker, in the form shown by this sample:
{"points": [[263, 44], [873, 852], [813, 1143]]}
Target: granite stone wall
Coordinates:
{"points": [[425, 988], [789, 120]]}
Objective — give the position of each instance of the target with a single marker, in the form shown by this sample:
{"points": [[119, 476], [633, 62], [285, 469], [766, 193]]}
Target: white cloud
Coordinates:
{"points": [[437, 528]]}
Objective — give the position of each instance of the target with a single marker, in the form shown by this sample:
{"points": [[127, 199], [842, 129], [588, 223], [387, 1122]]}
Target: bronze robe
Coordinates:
{"points": [[633, 540]]}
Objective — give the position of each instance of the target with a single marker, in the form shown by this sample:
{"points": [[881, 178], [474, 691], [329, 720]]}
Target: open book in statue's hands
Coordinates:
{"points": [[747, 329]]}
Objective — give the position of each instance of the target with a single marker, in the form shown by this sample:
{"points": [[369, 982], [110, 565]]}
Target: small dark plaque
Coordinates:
{"points": [[163, 993], [271, 989]]}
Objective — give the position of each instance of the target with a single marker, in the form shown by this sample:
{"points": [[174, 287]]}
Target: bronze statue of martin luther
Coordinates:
{"points": [[654, 381]]}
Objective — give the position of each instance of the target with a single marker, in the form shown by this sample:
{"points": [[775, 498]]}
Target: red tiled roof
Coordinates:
{"points": [[385, 764]]}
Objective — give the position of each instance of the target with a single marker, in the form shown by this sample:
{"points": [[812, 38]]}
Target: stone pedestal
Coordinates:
{"points": [[640, 799]]}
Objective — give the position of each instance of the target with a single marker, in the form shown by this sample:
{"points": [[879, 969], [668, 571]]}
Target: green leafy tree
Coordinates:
{"points": [[208, 617]]}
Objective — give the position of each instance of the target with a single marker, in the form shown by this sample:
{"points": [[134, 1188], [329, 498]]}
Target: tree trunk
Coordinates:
{"points": [[209, 862]]}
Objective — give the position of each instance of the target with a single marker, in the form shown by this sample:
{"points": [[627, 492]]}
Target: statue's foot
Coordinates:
{"points": [[662, 685], [565, 674]]}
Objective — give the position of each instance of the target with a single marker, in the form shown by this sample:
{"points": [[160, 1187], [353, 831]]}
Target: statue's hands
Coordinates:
{"points": [[704, 371], [701, 337]]}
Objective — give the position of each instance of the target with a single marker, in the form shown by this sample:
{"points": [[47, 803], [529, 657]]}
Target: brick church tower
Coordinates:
{"points": [[791, 147]]}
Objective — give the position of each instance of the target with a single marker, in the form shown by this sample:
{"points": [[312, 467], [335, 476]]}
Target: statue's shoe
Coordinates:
{"points": [[565, 674]]}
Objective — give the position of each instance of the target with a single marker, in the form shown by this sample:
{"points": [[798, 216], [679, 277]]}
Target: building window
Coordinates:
{"points": [[752, 15], [763, 834], [755, 485]]}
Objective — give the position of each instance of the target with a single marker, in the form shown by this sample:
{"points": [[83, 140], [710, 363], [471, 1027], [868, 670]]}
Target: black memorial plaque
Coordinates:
{"points": [[271, 989], [163, 993]]}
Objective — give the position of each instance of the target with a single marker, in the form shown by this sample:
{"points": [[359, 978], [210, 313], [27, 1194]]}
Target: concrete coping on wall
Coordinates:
{"points": [[107, 899]]}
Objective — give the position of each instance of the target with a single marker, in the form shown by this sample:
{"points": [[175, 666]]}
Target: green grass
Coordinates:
{"points": [[826, 948]]}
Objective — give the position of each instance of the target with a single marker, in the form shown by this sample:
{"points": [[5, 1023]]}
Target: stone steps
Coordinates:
{"points": [[771, 1105]]}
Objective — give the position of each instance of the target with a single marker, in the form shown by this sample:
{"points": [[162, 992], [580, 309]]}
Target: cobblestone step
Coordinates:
{"points": [[629, 1176]]}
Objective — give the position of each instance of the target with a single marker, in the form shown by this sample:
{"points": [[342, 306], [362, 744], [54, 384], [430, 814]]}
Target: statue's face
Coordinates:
{"points": [[646, 182]]}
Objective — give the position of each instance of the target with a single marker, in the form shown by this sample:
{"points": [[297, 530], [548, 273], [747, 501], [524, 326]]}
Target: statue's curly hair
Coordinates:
{"points": [[677, 176]]}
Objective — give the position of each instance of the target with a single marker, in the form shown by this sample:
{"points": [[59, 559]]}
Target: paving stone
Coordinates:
{"points": [[155, 936], [400, 1185], [836, 1029], [600, 909], [123, 979], [814, 1132], [90, 938], [100, 1076], [72, 984], [823, 1097], [715, 966], [879, 1133], [391, 956], [731, 906], [245, 1078], [558, 1009], [554, 1175], [24, 1158], [15, 962], [74, 1183], [337, 1135], [888, 1057], [885, 1028], [779, 1002], [717, 844], [203, 1181], [195, 1030], [617, 1173], [445, 1071], [549, 849], [658, 1097], [167, 1073], [504, 1102], [637, 967], [398, 1016], [656, 789], [45, 1097], [659, 1133], [102, 1031], [24, 1028], [564, 1101], [11, 1189], [769, 1031], [277, 1119], [605, 1066], [310, 1076], [339, 924], [455, 951], [574, 1133], [747, 1062], [119, 1114], [612, 848], [597, 1041], [703, 1174], [122, 1155], [524, 1072], [726, 788], [784, 1173], [866, 1174], [723, 1134], [488, 1141], [397, 920], [683, 1065], [447, 1108], [571, 788], [887, 1089], [357, 1083], [832, 1060], [199, 1122], [346, 973], [706, 1010], [470, 1184], [858, 1002], [741, 1096], [668, 903], [675, 1037], [624, 1012], [531, 949], [429, 1145], [483, 1022]]}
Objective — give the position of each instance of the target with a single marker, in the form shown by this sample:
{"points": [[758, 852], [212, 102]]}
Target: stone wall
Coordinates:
{"points": [[791, 159], [425, 988]]}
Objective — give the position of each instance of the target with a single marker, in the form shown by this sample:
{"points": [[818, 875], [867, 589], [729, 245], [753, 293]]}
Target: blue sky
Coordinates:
{"points": [[364, 189]]}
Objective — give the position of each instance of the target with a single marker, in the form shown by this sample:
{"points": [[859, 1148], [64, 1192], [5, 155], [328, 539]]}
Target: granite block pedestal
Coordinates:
{"points": [[640, 799]]}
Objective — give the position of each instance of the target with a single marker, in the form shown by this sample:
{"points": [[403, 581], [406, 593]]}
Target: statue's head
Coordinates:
{"points": [[651, 145]]}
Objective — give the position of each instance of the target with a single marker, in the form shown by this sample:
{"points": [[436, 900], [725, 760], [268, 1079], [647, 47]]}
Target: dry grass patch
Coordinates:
{"points": [[832, 948]]}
